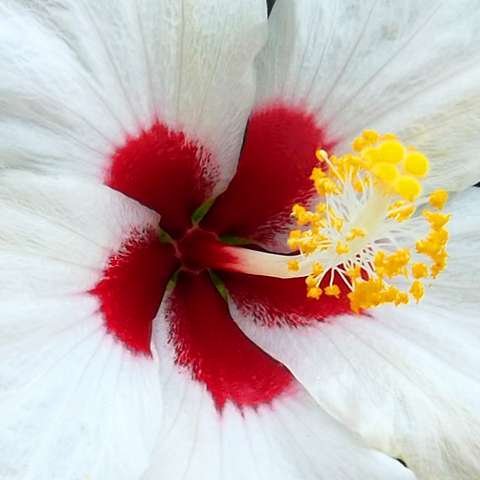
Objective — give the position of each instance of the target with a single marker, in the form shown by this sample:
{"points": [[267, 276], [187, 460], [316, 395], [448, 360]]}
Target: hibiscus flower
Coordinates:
{"points": [[155, 323]]}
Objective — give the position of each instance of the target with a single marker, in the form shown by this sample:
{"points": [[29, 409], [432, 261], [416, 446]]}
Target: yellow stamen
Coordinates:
{"points": [[317, 269], [438, 199], [332, 291], [392, 151], [356, 233], [417, 290], [401, 210], [359, 144], [408, 187], [370, 136], [419, 270], [294, 265], [416, 164], [314, 292], [368, 244], [385, 171], [437, 220], [342, 248], [354, 272]]}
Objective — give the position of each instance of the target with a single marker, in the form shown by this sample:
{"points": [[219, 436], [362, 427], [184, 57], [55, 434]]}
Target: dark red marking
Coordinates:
{"points": [[165, 171], [132, 288], [199, 250], [207, 340], [273, 173], [277, 302]]}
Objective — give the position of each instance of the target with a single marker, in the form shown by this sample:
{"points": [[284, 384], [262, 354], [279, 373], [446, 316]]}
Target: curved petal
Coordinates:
{"points": [[232, 412], [408, 67], [78, 398], [406, 379], [116, 90]]}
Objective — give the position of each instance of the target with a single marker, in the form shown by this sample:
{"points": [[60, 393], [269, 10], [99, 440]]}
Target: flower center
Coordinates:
{"points": [[198, 250], [365, 232], [365, 229], [193, 249]]}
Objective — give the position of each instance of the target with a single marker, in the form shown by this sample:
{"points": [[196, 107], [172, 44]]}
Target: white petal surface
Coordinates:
{"points": [[74, 402], [289, 439], [409, 67], [406, 379], [80, 77]]}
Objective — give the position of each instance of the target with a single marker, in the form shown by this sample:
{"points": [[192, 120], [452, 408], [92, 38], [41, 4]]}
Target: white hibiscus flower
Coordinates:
{"points": [[151, 153]]}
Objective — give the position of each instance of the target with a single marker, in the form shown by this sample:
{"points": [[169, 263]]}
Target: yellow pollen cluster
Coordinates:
{"points": [[352, 234]]}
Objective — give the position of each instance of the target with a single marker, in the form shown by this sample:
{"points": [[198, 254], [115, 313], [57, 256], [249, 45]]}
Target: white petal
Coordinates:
{"points": [[406, 379], [290, 438], [409, 67], [80, 77], [398, 380], [74, 402]]}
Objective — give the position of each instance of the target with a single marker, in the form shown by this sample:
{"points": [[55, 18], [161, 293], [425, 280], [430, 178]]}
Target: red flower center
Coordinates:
{"points": [[197, 250], [166, 171]]}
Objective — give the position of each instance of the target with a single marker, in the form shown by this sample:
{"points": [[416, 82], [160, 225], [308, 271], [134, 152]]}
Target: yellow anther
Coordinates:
{"points": [[342, 248], [371, 136], [389, 295], [417, 290], [314, 292], [408, 187], [298, 211], [438, 198], [402, 298], [358, 185], [317, 222], [321, 208], [440, 264], [317, 174], [332, 291], [359, 144], [401, 210], [391, 151], [370, 156], [354, 272], [356, 233], [436, 219], [366, 293], [308, 245], [337, 224], [379, 181], [438, 237], [425, 247], [391, 265], [416, 164], [294, 239], [302, 215], [387, 172], [419, 270], [326, 186], [294, 265], [317, 269]]}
